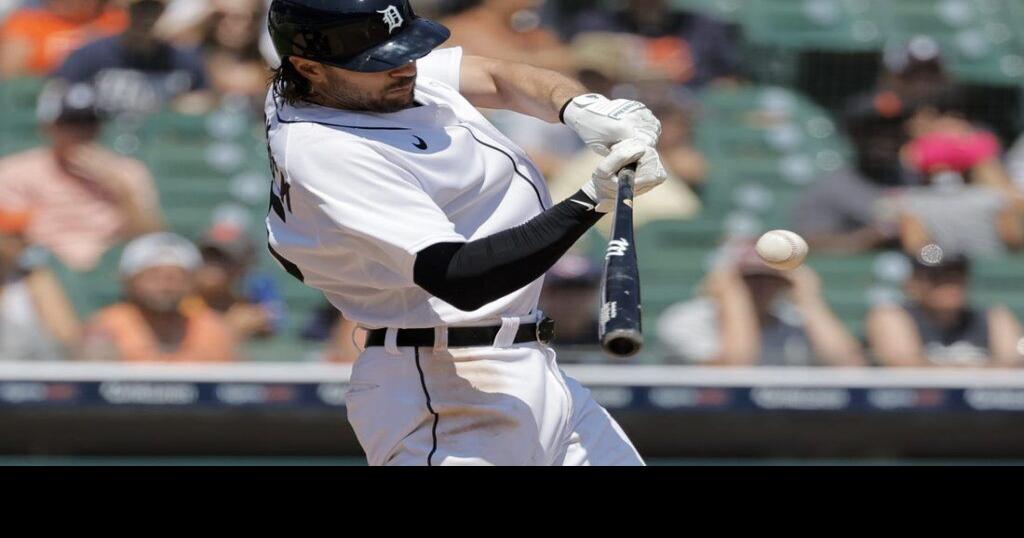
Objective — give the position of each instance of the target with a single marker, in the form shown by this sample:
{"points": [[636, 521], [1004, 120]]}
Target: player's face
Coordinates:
{"points": [[386, 91]]}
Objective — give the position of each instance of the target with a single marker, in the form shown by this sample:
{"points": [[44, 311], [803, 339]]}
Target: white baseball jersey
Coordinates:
{"points": [[356, 195]]}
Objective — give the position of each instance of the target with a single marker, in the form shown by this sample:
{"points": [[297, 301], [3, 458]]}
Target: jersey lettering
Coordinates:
{"points": [[281, 198]]}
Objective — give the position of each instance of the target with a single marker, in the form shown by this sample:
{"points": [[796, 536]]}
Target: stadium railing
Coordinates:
{"points": [[670, 411]]}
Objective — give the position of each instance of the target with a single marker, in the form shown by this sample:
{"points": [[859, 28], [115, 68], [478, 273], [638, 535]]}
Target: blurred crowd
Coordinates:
{"points": [[931, 178]]}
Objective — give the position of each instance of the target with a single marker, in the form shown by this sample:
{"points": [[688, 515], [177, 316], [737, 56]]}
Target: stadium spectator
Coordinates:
{"points": [[570, 297], [751, 314], [346, 343], [37, 321], [320, 323], [228, 34], [344, 340], [506, 30], [937, 326], [967, 204], [227, 282], [35, 39], [160, 319], [231, 49], [686, 47], [852, 210], [914, 69], [901, 186], [84, 198], [136, 71]]}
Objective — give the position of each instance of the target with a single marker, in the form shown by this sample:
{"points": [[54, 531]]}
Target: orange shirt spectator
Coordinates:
{"points": [[207, 337], [160, 318], [35, 41]]}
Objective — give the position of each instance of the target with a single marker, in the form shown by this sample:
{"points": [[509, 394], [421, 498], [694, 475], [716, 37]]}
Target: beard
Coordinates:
{"points": [[158, 304], [344, 95]]}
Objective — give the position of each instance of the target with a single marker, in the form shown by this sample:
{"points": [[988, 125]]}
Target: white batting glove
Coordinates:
{"points": [[603, 184], [601, 123]]}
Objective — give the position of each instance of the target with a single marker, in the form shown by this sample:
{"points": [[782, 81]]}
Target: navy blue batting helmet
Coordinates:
{"points": [[358, 35]]}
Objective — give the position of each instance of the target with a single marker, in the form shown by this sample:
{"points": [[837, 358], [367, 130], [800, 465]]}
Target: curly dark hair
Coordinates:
{"points": [[289, 84]]}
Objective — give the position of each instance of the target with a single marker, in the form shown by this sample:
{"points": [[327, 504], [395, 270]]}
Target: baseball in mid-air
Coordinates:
{"points": [[782, 249]]}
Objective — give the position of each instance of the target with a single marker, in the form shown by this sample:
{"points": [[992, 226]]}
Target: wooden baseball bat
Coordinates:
{"points": [[619, 328]]}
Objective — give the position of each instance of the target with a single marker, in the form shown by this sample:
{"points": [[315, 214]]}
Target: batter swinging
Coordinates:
{"points": [[421, 222]]}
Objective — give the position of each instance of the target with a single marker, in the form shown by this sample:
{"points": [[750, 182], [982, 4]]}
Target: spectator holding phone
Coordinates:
{"points": [[967, 204], [751, 314], [85, 198], [37, 322]]}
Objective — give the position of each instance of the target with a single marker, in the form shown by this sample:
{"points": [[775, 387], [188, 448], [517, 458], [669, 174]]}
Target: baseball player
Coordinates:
{"points": [[421, 222]]}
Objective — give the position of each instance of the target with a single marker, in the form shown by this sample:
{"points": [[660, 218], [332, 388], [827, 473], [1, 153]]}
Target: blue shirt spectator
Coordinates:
{"points": [[228, 282], [135, 71]]}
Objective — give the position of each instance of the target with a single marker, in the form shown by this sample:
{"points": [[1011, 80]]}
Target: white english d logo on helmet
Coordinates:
{"points": [[391, 17]]}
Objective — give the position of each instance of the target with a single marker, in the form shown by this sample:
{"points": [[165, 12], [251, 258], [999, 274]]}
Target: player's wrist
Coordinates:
{"points": [[587, 195], [573, 106]]}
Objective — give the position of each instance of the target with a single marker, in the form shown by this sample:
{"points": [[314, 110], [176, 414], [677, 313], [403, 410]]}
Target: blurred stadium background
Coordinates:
{"points": [[885, 131]]}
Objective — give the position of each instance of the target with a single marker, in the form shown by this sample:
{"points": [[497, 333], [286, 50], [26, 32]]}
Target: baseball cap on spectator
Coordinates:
{"points": [[934, 264], [158, 249], [919, 53], [573, 271], [227, 241], [62, 103]]}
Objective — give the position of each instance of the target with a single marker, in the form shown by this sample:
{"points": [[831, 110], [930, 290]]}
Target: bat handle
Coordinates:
{"points": [[627, 174]]}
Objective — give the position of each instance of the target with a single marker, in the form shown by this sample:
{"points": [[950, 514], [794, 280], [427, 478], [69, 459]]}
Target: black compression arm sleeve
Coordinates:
{"points": [[470, 275]]}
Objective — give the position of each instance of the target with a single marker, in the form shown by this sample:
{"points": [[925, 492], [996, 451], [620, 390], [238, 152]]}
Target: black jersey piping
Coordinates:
{"points": [[515, 167], [433, 429]]}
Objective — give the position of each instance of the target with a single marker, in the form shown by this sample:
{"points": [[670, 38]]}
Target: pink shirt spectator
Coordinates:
{"points": [[939, 151], [73, 219]]}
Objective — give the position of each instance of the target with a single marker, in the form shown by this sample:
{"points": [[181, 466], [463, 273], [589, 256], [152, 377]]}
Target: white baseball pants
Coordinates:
{"points": [[478, 406]]}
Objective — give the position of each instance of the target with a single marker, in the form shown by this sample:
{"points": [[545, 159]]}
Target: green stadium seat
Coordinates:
{"points": [[91, 290], [978, 37], [724, 10], [835, 25]]}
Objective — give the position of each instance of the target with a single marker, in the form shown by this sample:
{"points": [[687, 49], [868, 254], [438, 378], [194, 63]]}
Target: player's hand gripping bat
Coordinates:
{"points": [[619, 326]]}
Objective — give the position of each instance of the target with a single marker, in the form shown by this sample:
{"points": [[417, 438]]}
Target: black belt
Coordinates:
{"points": [[465, 336]]}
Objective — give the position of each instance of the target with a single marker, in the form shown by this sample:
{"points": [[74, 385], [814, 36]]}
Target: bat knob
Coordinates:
{"points": [[623, 342]]}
